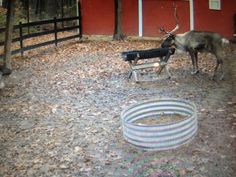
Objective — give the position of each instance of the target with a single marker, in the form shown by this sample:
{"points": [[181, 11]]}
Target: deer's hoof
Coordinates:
{"points": [[222, 77], [214, 78], [195, 72], [5, 71], [2, 85]]}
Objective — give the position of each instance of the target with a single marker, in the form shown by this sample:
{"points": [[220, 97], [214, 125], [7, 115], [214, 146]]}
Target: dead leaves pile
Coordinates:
{"points": [[60, 113]]}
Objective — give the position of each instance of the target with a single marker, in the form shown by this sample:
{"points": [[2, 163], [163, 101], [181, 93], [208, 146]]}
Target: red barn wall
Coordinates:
{"points": [[220, 21], [97, 17], [160, 13], [130, 17]]}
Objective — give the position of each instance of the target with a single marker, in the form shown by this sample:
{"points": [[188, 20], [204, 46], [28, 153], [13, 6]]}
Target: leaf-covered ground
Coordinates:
{"points": [[60, 114]]}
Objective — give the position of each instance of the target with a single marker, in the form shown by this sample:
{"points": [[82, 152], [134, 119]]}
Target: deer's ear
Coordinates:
{"points": [[162, 30], [171, 36]]}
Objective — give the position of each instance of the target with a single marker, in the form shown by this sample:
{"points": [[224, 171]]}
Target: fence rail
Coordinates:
{"points": [[54, 31]]}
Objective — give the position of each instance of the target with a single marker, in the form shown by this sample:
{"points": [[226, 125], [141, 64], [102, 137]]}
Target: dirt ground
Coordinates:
{"points": [[60, 115]]}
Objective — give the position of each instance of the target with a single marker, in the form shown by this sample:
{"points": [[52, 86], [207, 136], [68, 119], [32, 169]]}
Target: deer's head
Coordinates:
{"points": [[168, 41]]}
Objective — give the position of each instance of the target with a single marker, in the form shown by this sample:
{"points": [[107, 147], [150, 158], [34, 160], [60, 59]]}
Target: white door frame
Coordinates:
{"points": [[140, 16], [191, 12]]}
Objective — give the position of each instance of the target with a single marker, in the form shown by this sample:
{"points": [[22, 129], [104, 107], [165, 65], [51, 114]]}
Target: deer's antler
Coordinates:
{"points": [[162, 30]]}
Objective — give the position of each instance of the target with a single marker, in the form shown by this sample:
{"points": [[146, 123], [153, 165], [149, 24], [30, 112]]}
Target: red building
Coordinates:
{"points": [[144, 17]]}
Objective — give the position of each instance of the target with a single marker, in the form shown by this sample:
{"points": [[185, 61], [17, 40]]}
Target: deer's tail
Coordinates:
{"points": [[232, 44], [225, 42]]}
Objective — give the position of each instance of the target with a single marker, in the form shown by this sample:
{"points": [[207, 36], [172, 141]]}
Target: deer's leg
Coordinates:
{"points": [[194, 59], [219, 62], [222, 70]]}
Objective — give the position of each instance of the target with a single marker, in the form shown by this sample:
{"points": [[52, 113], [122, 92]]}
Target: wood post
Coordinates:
{"points": [[55, 30], [78, 21], [80, 18], [21, 38], [28, 14], [8, 35]]}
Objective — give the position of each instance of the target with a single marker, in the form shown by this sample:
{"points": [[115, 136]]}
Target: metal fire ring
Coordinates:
{"points": [[163, 136]]}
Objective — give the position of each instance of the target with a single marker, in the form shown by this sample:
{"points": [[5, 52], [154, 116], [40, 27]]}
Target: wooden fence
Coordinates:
{"points": [[55, 30]]}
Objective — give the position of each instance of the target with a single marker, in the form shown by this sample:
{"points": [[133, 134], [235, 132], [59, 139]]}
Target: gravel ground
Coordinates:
{"points": [[60, 114]]}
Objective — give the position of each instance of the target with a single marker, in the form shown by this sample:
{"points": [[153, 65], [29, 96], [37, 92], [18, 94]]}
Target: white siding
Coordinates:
{"points": [[191, 6], [140, 18]]}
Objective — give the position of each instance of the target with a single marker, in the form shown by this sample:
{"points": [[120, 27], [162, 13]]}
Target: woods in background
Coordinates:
{"points": [[34, 10]]}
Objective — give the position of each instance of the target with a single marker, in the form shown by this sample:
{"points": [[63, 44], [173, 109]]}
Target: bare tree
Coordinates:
{"points": [[9, 30], [118, 34]]}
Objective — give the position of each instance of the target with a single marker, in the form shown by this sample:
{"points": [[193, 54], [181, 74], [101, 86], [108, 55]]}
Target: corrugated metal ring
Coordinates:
{"points": [[163, 136]]}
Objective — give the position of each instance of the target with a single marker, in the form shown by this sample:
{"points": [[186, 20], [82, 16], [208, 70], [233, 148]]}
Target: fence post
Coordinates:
{"points": [[77, 15], [55, 29], [80, 19], [21, 39]]}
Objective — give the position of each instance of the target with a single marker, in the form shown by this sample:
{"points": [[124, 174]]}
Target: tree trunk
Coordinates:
{"points": [[118, 34], [62, 12], [51, 8], [37, 7], [9, 31], [28, 13]]}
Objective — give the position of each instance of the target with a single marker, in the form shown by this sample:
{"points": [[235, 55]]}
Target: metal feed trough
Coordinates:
{"points": [[134, 56], [159, 136]]}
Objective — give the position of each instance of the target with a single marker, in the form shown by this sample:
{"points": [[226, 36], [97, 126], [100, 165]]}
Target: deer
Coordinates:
{"points": [[194, 42]]}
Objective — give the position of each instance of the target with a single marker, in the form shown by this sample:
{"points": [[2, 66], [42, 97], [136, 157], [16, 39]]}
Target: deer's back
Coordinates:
{"points": [[200, 41]]}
